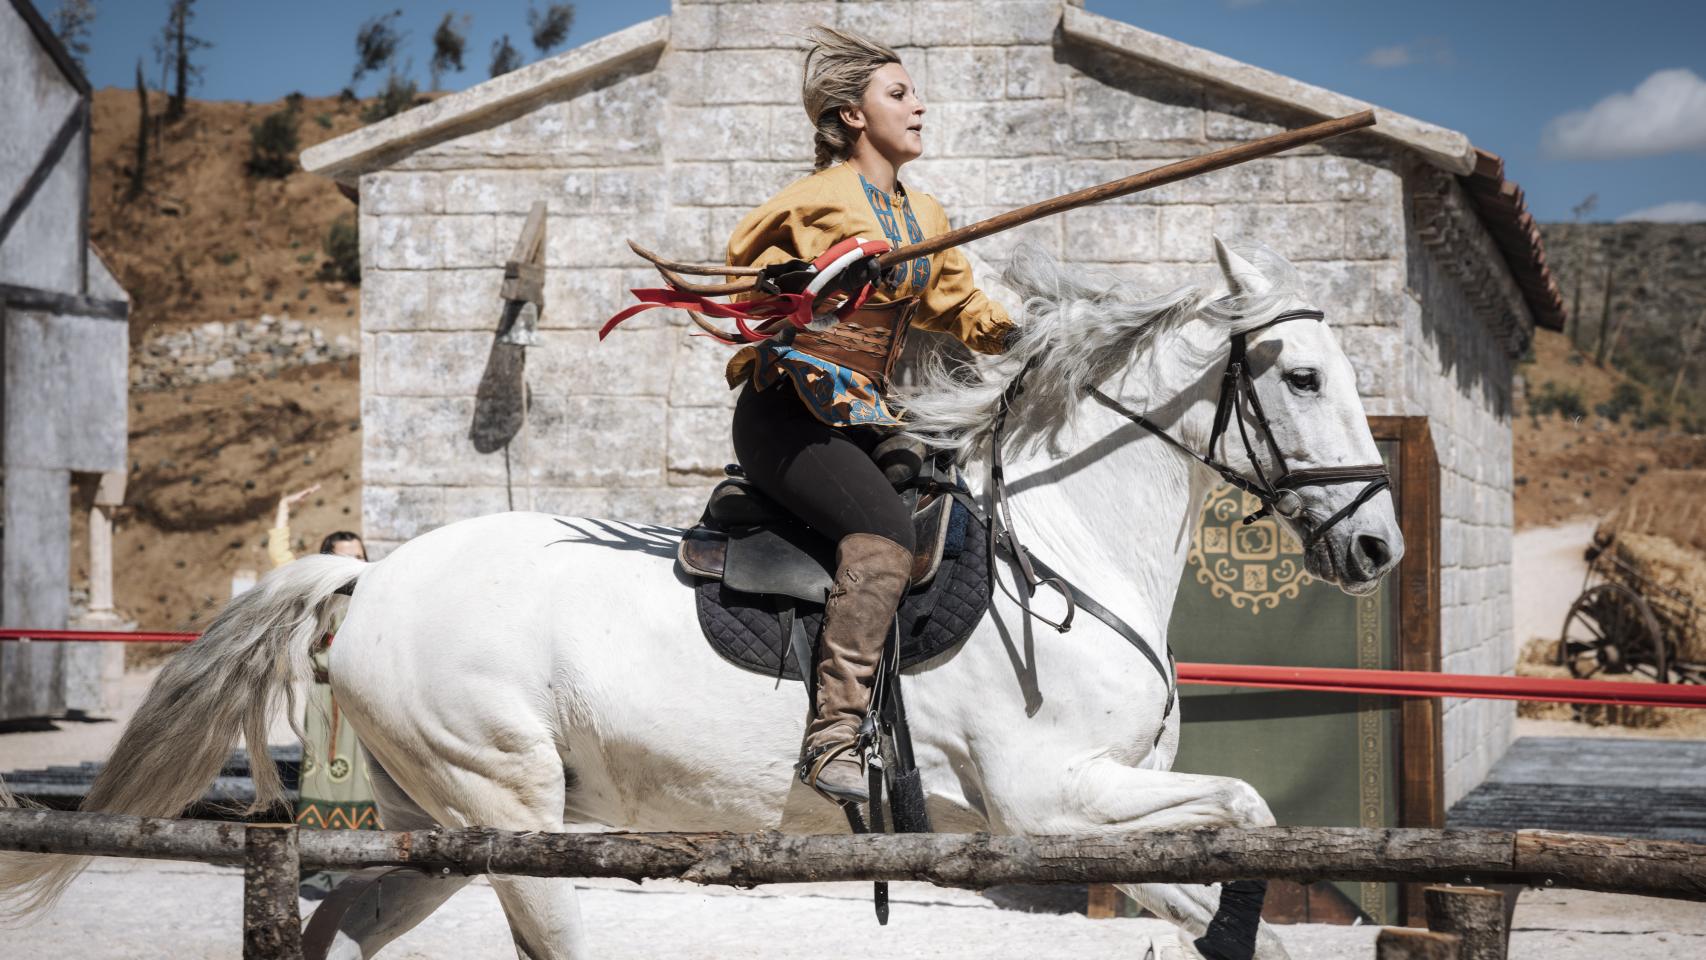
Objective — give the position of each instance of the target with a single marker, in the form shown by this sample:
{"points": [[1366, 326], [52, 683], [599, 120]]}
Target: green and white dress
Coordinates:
{"points": [[335, 791]]}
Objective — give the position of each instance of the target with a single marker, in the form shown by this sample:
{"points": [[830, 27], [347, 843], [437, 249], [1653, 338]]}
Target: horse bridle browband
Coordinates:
{"points": [[1238, 401]]}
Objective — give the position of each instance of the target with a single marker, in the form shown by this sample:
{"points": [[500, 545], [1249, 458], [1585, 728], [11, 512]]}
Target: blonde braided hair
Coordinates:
{"points": [[838, 68]]}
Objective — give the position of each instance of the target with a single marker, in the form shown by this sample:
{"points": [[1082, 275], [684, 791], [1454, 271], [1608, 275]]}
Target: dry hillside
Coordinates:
{"points": [[1580, 463], [207, 243]]}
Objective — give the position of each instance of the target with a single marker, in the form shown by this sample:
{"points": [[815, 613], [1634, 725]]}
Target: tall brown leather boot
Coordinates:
{"points": [[871, 576]]}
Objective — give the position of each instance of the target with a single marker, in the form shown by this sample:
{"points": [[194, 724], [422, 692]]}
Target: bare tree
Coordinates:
{"points": [[139, 170], [1691, 338], [174, 49], [504, 56], [448, 43], [375, 45], [71, 25], [1580, 211], [550, 28], [1605, 312]]}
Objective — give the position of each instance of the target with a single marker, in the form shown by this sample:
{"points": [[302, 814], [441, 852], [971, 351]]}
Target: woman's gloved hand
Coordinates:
{"points": [[789, 276]]}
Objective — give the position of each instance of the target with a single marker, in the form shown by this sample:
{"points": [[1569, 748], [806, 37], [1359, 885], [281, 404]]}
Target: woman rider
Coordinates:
{"points": [[812, 403]]}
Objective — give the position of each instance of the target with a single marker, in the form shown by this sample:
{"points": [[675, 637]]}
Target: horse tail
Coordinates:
{"points": [[229, 681]]}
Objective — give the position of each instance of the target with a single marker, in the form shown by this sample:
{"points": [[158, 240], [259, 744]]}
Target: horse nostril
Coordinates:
{"points": [[1375, 549]]}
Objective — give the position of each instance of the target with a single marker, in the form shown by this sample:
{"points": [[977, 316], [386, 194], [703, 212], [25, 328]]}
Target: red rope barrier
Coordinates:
{"points": [[1391, 683], [1405, 683], [95, 636]]}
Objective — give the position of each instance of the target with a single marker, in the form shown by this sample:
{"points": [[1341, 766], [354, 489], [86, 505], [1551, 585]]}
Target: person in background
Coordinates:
{"points": [[333, 790]]}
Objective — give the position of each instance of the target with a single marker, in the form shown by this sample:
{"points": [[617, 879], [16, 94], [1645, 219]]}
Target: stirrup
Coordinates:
{"points": [[811, 765]]}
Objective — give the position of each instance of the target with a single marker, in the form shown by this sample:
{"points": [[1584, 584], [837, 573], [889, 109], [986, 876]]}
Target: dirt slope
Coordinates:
{"points": [[208, 243], [1568, 466]]}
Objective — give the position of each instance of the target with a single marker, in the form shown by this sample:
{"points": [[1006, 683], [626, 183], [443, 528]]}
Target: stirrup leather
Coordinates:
{"points": [[813, 761]]}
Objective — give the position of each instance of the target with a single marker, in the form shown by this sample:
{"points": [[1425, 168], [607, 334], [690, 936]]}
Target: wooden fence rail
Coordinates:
{"points": [[1534, 858]]}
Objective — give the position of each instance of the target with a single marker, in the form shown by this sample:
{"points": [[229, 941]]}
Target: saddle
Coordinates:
{"points": [[763, 576]]}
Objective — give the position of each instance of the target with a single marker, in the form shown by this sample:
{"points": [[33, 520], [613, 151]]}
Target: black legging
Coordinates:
{"points": [[823, 474]]}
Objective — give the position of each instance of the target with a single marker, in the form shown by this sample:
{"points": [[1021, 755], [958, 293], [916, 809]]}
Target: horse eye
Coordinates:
{"points": [[1304, 381]]}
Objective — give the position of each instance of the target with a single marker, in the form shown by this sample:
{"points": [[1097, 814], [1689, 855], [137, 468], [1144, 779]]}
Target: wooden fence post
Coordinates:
{"points": [[272, 924], [1474, 913], [1408, 943]]}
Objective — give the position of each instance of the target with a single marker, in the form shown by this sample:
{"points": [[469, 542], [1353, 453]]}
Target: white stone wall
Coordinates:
{"points": [[436, 228], [62, 382], [674, 153], [1458, 375], [42, 250]]}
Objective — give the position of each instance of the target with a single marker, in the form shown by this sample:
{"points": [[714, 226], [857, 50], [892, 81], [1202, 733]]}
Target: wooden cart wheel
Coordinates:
{"points": [[1610, 629]]}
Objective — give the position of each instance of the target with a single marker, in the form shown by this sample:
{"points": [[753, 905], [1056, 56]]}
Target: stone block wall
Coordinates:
{"points": [[1457, 373], [673, 153], [43, 248], [63, 378]]}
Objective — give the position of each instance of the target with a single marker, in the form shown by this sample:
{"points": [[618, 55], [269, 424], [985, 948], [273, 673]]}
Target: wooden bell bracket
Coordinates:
{"points": [[523, 292]]}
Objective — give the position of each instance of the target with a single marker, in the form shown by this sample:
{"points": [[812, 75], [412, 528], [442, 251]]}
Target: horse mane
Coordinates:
{"points": [[1075, 330]]}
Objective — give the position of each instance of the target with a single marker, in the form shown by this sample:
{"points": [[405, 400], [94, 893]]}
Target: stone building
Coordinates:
{"points": [[65, 341], [668, 132]]}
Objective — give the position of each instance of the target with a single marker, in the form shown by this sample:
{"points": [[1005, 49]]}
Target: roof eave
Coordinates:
{"points": [[346, 158], [1446, 149], [1498, 202]]}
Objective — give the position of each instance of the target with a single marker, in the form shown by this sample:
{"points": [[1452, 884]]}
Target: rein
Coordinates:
{"points": [[1237, 400]]}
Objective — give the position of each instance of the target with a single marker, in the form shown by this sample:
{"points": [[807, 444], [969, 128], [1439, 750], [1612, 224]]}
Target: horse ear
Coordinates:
{"points": [[1242, 277]]}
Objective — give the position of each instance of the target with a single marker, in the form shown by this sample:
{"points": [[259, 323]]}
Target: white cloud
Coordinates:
{"points": [[1676, 211], [1665, 114], [1397, 55], [1428, 50]]}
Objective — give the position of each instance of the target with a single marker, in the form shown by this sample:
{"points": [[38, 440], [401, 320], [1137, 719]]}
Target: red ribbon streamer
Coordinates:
{"points": [[796, 308]]}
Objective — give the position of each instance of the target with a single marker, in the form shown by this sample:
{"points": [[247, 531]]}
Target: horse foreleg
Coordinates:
{"points": [[1112, 797]]}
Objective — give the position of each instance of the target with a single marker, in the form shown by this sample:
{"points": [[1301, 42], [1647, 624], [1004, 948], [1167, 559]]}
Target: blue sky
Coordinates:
{"points": [[1579, 97]]}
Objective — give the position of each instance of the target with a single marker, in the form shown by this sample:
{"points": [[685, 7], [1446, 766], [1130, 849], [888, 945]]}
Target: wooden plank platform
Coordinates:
{"points": [[1620, 786]]}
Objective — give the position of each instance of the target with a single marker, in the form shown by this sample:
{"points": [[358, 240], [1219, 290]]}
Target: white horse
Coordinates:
{"points": [[532, 672]]}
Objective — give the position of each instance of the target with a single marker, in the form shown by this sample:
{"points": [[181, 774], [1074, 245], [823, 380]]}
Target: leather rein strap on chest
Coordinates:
{"points": [[1238, 402]]}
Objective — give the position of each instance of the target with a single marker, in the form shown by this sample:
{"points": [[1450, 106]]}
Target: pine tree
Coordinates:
{"points": [[174, 49], [504, 56], [448, 43], [551, 28], [376, 44], [71, 25], [139, 171]]}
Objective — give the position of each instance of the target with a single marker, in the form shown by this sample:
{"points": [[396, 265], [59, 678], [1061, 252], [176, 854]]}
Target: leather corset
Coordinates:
{"points": [[867, 342]]}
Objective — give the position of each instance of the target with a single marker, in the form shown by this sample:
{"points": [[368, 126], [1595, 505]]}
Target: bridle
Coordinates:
{"points": [[1238, 402]]}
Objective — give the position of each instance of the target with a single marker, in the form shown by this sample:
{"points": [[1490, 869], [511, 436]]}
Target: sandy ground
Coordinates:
{"points": [[1546, 577], [1547, 567], [197, 913]]}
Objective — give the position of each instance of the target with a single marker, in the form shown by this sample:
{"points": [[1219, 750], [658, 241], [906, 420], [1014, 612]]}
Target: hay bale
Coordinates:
{"points": [[1672, 577], [1539, 659], [1664, 502]]}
